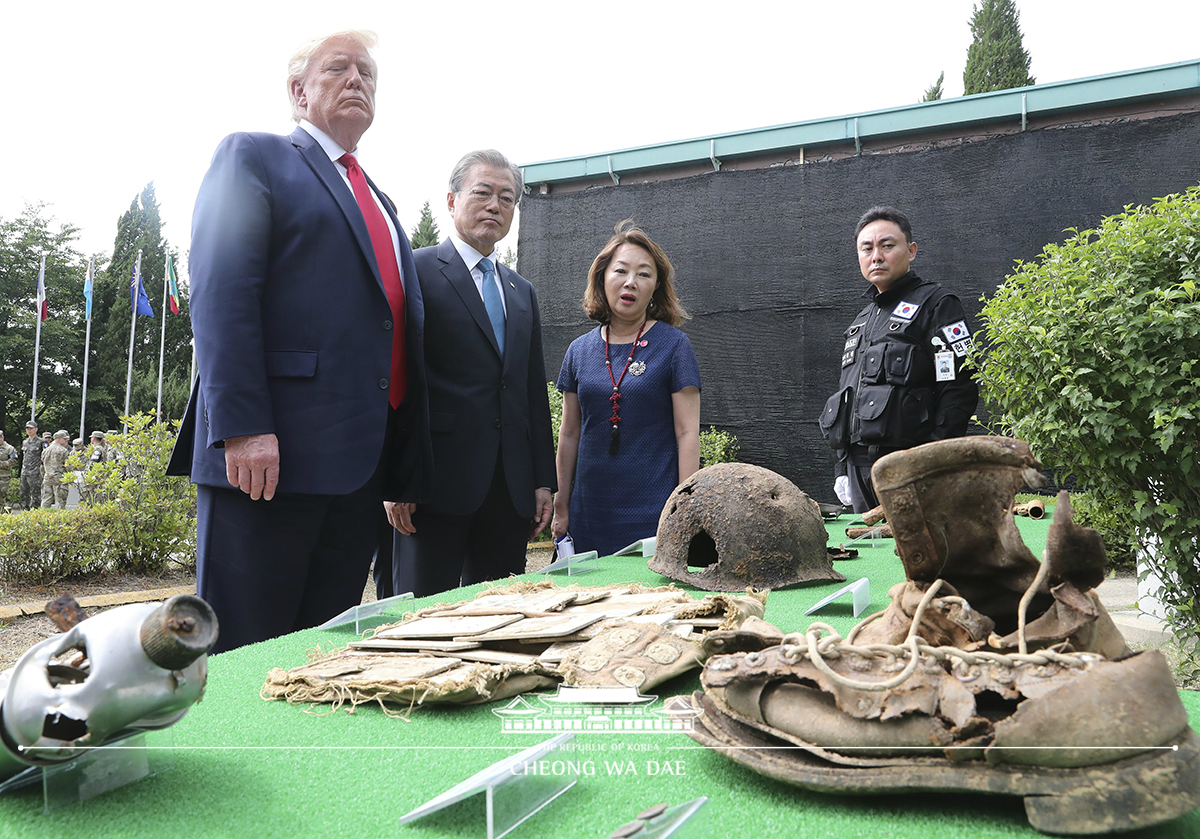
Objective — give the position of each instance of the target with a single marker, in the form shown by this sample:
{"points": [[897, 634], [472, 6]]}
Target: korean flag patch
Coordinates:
{"points": [[906, 311], [956, 332]]}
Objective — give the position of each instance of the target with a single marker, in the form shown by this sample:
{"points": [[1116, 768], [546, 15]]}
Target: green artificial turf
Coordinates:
{"points": [[244, 767]]}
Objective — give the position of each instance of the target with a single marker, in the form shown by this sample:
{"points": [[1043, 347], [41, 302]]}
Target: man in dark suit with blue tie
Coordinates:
{"points": [[310, 406], [493, 451]]}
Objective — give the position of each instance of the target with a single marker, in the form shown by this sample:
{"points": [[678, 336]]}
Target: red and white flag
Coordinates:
{"points": [[43, 307]]}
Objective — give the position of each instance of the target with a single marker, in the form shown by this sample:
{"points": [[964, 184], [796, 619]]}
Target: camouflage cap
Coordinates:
{"points": [[31, 424], [98, 435], [63, 434]]}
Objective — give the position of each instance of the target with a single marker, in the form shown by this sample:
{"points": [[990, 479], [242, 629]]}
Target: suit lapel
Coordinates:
{"points": [[456, 273], [328, 174], [516, 306]]}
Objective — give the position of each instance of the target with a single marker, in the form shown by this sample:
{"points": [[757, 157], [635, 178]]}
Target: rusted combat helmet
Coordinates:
{"points": [[733, 525]]}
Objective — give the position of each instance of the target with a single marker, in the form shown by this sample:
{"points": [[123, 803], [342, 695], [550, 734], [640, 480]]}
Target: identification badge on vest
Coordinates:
{"points": [[943, 363]]}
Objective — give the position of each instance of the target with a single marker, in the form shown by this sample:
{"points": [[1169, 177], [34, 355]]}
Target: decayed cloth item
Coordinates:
{"points": [[518, 638]]}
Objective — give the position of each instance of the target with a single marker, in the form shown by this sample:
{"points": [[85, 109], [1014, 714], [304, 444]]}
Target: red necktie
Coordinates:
{"points": [[385, 256]]}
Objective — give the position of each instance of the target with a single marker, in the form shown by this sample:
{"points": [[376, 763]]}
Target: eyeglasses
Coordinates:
{"points": [[485, 196]]}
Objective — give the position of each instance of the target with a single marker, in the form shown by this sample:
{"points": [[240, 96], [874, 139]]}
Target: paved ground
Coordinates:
{"points": [[1119, 596]]}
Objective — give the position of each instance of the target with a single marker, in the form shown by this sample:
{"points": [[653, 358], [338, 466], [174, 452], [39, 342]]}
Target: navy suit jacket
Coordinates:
{"points": [[292, 326], [479, 403]]}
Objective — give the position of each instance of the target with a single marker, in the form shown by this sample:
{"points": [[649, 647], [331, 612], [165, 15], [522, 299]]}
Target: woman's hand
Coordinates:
{"points": [[558, 526]]}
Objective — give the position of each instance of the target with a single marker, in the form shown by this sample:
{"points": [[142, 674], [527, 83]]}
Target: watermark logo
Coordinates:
{"points": [[597, 710]]}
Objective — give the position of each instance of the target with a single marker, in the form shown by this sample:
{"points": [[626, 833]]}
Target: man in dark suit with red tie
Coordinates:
{"points": [[310, 407], [488, 408]]}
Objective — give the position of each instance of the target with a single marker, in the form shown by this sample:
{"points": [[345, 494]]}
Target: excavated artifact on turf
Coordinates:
{"points": [[924, 696], [950, 507], [734, 525], [134, 668]]}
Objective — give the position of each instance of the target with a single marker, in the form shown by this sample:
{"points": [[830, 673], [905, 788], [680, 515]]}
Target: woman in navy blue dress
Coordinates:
{"points": [[630, 428]]}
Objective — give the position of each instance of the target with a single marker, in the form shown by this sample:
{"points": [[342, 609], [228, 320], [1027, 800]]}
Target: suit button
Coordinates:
{"points": [[496, 423], [503, 385], [383, 384], [387, 324]]}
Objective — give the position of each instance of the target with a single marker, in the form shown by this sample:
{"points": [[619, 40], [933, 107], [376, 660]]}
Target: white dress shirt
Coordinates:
{"points": [[330, 147], [471, 257]]}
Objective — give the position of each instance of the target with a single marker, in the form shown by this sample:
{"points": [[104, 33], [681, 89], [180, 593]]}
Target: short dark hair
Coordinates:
{"points": [[664, 305], [882, 213]]}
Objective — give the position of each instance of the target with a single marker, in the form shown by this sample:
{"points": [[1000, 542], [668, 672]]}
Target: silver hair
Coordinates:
{"points": [[487, 157], [298, 64]]}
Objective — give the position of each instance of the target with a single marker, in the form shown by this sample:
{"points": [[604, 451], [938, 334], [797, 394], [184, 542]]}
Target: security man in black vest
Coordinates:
{"points": [[903, 381]]}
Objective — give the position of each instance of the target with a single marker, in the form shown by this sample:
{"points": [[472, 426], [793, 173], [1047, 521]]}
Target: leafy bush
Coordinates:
{"points": [[41, 546], [158, 513], [1109, 517], [1090, 354], [717, 446], [556, 400]]}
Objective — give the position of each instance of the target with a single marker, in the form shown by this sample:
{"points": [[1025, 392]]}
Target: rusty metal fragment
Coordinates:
{"points": [[734, 525], [65, 612]]}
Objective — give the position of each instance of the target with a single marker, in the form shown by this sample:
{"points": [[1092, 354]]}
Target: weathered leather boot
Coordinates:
{"points": [[1093, 746], [950, 506], [925, 696]]}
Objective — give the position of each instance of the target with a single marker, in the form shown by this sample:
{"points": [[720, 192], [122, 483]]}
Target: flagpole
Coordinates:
{"points": [[87, 341], [134, 283], [162, 339], [37, 341]]}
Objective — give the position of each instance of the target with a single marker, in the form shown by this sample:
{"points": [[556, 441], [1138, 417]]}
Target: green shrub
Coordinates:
{"points": [[1109, 517], [717, 446], [41, 546], [157, 524], [1090, 355], [556, 400]]}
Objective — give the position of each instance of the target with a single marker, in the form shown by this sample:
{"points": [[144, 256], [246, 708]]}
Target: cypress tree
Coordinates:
{"points": [[996, 59], [934, 92], [426, 232], [140, 228]]}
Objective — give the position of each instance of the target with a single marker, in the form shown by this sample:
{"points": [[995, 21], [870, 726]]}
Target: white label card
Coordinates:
{"points": [[943, 363]]}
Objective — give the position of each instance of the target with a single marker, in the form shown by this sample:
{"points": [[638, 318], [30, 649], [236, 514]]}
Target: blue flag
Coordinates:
{"points": [[137, 294], [87, 286]]}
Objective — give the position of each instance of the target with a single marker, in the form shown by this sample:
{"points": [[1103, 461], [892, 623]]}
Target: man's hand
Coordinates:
{"points": [[542, 500], [252, 464], [400, 514]]}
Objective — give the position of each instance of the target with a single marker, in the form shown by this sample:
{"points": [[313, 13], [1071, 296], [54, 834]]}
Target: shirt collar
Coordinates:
{"points": [[328, 144], [469, 255]]}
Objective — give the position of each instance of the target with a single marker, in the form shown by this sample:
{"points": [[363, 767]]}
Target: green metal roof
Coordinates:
{"points": [[1093, 92]]}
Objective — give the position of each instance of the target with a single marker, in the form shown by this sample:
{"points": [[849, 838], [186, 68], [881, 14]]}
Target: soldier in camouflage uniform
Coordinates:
{"points": [[101, 451], [8, 459], [54, 459], [31, 467]]}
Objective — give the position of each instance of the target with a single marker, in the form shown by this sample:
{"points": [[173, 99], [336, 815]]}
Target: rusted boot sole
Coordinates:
{"points": [[1140, 791]]}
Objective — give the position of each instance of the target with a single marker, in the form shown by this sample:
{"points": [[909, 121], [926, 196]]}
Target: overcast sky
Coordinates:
{"points": [[106, 97]]}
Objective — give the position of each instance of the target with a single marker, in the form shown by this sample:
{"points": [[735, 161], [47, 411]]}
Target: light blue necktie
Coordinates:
{"points": [[492, 302]]}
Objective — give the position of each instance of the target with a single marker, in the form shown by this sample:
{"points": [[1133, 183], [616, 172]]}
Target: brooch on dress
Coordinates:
{"points": [[637, 368]]}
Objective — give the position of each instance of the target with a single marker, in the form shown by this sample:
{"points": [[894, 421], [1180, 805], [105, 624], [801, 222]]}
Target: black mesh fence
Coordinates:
{"points": [[766, 265]]}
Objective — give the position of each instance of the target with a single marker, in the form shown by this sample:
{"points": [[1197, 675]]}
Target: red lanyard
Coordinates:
{"points": [[615, 442]]}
